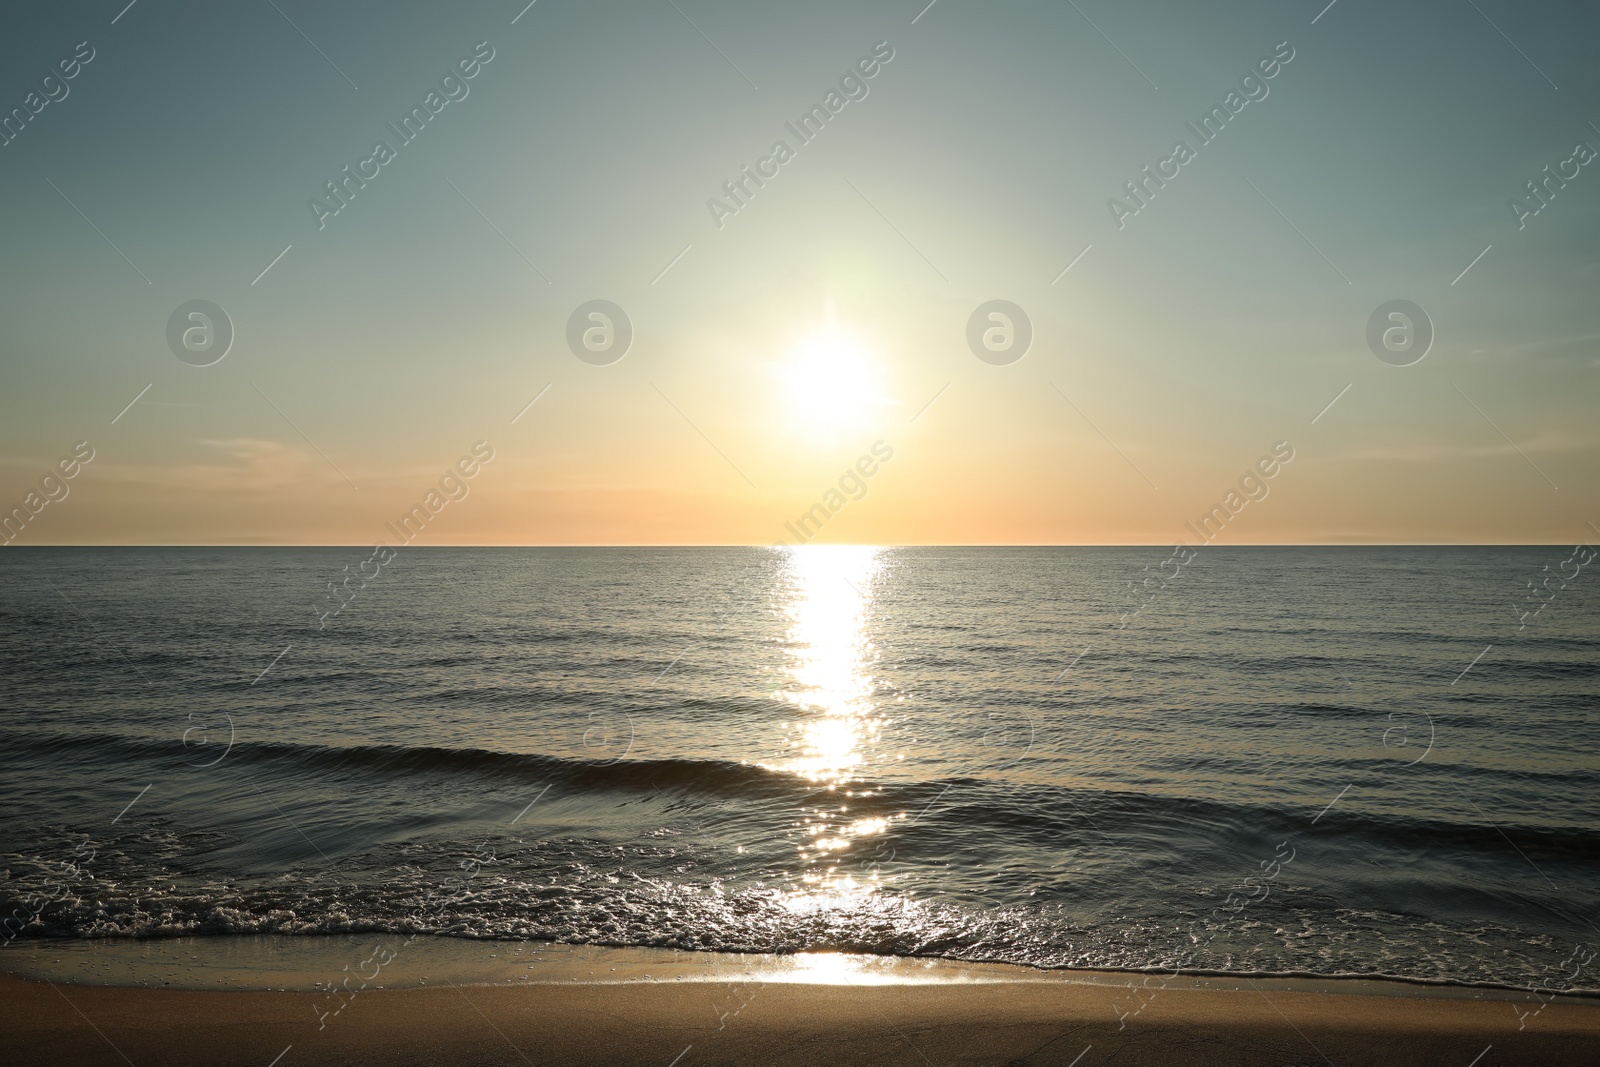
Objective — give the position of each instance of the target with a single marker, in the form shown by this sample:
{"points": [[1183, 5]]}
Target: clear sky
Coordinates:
{"points": [[774, 345]]}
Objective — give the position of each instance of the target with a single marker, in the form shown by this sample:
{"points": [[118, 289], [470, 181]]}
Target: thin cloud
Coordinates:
{"points": [[245, 465]]}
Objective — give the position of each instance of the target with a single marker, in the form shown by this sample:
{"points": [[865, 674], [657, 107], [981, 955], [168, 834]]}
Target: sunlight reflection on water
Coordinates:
{"points": [[837, 726]]}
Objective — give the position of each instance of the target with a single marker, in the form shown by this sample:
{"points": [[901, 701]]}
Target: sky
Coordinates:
{"points": [[776, 346]]}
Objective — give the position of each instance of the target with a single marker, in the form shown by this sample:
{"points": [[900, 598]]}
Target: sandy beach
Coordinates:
{"points": [[632, 1007], [719, 1023]]}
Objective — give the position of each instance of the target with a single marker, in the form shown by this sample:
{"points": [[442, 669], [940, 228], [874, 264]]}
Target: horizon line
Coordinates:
{"points": [[813, 544]]}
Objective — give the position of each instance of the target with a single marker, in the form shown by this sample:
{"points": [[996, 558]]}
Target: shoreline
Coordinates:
{"points": [[307, 963]]}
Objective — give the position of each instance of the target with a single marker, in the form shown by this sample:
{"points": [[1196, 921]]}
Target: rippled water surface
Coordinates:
{"points": [[1320, 760]]}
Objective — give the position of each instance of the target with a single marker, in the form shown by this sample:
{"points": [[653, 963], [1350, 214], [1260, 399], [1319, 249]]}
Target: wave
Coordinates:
{"points": [[1026, 812], [591, 907], [710, 775]]}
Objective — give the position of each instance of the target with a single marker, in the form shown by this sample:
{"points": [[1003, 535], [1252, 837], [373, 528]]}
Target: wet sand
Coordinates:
{"points": [[674, 1008]]}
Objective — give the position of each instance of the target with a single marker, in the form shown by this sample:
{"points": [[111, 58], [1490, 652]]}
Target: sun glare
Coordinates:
{"points": [[831, 381]]}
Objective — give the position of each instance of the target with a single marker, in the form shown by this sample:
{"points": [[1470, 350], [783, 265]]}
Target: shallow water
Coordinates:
{"points": [[1276, 766]]}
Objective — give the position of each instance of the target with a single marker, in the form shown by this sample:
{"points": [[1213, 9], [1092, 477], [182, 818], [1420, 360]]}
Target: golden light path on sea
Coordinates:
{"points": [[836, 724]]}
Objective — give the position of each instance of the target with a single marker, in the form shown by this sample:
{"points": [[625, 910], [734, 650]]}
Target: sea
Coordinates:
{"points": [[1290, 761]]}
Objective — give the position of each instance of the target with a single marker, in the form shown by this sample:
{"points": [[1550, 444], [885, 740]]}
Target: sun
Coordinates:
{"points": [[831, 382]]}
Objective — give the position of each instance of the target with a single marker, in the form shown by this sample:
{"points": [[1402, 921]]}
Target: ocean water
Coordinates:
{"points": [[1299, 761]]}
